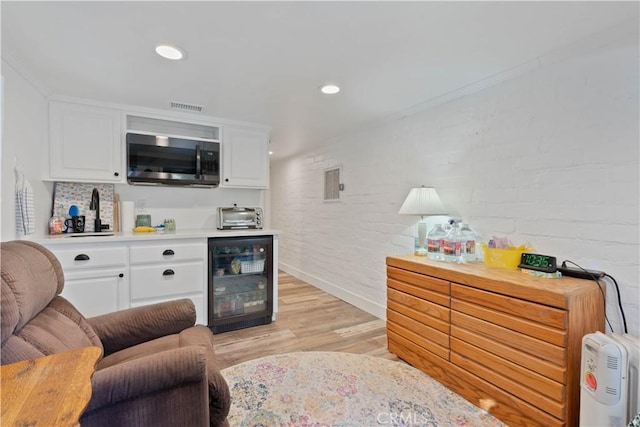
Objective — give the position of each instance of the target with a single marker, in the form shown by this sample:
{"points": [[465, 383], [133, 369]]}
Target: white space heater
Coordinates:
{"points": [[609, 379]]}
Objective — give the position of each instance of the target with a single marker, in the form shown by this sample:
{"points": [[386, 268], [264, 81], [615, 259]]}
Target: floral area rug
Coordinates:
{"points": [[342, 389]]}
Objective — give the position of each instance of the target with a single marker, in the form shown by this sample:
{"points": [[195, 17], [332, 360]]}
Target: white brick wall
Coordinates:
{"points": [[549, 157]]}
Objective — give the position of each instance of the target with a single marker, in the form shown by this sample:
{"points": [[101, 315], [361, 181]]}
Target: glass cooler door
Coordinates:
{"points": [[240, 282]]}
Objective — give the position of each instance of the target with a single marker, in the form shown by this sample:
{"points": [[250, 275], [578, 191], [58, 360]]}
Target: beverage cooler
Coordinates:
{"points": [[240, 282]]}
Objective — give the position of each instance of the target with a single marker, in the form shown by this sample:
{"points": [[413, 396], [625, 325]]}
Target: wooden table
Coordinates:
{"points": [[48, 391]]}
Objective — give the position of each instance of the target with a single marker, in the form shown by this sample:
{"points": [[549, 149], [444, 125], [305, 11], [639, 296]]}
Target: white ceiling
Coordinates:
{"points": [[264, 61]]}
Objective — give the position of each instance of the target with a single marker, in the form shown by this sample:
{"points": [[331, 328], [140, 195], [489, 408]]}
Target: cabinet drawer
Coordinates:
{"points": [[425, 331], [83, 258], [419, 281], [532, 362], [545, 333], [539, 313], [418, 292], [423, 311], [167, 279], [523, 391], [167, 252], [530, 381], [401, 334], [535, 347]]}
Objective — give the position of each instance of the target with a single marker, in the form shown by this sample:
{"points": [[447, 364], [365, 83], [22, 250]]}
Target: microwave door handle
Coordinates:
{"points": [[198, 161]]}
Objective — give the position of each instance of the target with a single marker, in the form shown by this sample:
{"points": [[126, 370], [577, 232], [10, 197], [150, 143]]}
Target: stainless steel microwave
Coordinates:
{"points": [[163, 160]]}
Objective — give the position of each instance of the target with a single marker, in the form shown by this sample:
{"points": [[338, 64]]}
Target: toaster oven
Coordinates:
{"points": [[237, 218]]}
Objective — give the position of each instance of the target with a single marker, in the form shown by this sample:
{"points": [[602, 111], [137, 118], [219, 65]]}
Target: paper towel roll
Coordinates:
{"points": [[127, 214]]}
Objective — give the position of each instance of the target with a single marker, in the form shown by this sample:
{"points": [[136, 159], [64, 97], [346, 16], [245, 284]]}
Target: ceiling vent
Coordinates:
{"points": [[191, 108]]}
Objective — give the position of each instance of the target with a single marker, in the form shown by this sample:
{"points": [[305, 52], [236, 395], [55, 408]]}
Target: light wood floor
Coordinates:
{"points": [[308, 319]]}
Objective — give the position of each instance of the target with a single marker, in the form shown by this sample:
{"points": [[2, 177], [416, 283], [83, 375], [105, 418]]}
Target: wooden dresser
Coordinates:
{"points": [[508, 342]]}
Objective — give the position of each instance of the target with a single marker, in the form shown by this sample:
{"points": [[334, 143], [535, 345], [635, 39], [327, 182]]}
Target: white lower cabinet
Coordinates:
{"points": [[106, 277], [167, 270], [97, 292], [96, 276]]}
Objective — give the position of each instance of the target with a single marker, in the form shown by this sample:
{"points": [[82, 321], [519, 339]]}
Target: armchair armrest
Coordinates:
{"points": [[144, 376], [126, 328]]}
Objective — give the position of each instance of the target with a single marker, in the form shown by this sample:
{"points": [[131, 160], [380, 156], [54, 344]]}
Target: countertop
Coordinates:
{"points": [[158, 235]]}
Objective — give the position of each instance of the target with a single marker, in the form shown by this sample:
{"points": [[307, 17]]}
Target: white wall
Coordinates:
{"points": [[24, 135], [547, 156], [191, 208]]}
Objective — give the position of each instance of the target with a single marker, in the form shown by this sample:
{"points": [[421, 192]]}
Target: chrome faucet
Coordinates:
{"points": [[95, 205]]}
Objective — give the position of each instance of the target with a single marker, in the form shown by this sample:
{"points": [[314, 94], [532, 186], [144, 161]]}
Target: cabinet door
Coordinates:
{"points": [[85, 143], [158, 280], [97, 292], [245, 154]]}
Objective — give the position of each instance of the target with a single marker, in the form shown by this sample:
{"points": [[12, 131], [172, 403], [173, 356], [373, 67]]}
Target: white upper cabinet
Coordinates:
{"points": [[245, 157], [85, 143]]}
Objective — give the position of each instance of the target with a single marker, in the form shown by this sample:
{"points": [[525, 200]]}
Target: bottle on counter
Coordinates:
{"points": [[469, 243], [452, 242], [56, 224], [435, 241]]}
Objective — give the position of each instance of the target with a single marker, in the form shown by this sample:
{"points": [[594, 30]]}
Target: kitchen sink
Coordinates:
{"points": [[104, 233]]}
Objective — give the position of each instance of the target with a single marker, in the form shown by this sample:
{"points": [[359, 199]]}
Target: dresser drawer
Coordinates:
{"points": [[411, 339], [550, 316], [523, 391], [94, 257], [419, 292], [533, 346], [424, 331], [532, 362], [515, 323], [418, 282], [529, 382], [419, 309], [151, 281], [167, 252]]}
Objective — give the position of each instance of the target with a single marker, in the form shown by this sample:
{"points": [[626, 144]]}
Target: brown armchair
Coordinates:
{"points": [[157, 368]]}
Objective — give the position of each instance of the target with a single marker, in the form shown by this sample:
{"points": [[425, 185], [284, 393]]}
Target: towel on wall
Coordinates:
{"points": [[25, 213]]}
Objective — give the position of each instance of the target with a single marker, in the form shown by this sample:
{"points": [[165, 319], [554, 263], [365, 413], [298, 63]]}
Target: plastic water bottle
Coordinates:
{"points": [[452, 243], [469, 241], [435, 239]]}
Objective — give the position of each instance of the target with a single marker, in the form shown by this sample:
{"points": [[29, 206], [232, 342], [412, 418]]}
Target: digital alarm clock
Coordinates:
{"points": [[538, 262]]}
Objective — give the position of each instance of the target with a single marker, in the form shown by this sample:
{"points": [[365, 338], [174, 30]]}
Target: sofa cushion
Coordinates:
{"points": [[198, 335], [43, 335], [30, 280]]}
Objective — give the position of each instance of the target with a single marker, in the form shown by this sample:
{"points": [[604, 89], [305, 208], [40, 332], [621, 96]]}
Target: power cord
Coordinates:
{"points": [[597, 280], [624, 319]]}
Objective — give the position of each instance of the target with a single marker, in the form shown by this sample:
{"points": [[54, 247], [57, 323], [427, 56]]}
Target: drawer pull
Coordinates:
{"points": [[121, 275], [168, 272], [82, 257], [168, 252]]}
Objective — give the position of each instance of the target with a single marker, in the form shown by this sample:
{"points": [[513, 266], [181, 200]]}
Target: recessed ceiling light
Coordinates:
{"points": [[169, 52], [329, 89], [270, 152]]}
